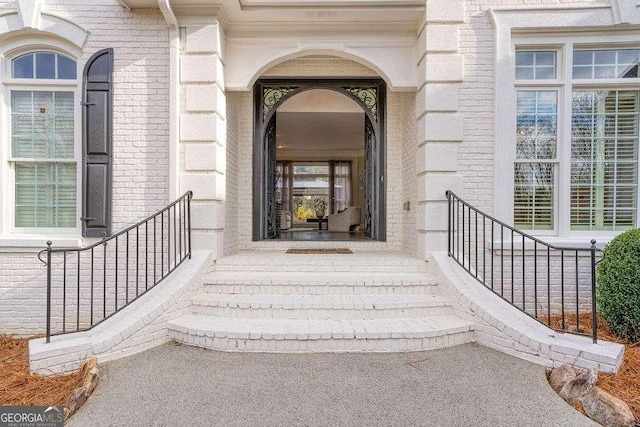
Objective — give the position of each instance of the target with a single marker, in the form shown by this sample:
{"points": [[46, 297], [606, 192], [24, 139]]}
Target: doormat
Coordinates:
{"points": [[320, 251]]}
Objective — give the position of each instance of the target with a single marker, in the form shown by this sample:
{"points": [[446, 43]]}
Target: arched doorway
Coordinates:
{"points": [[269, 95]]}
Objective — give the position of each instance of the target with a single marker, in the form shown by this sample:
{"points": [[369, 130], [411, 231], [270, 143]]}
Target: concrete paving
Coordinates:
{"points": [[468, 385]]}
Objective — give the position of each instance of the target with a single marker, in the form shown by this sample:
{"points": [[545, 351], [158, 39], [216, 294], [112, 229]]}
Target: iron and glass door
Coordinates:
{"points": [[269, 94], [369, 179], [270, 179]]}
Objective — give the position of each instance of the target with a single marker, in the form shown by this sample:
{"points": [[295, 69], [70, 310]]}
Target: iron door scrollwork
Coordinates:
{"points": [[271, 180]]}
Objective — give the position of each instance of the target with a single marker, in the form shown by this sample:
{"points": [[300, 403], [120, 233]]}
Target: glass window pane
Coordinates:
{"points": [[604, 159], [23, 67], [535, 65], [66, 68], [534, 196], [45, 195], [524, 73], [583, 58], [604, 57], [606, 64], [524, 58], [545, 58], [544, 73], [582, 72], [45, 66], [42, 124], [537, 124]]}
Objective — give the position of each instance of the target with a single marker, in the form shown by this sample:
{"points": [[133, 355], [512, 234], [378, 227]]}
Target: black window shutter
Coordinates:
{"points": [[97, 146]]}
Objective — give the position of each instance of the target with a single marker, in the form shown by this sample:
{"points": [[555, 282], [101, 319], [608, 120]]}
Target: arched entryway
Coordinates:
{"points": [[269, 95]]}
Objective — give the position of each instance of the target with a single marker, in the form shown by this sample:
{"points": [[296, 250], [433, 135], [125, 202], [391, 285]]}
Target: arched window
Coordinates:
{"points": [[42, 98]]}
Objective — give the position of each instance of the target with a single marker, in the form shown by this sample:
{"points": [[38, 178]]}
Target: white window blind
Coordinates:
{"points": [[42, 140], [604, 160], [536, 158]]}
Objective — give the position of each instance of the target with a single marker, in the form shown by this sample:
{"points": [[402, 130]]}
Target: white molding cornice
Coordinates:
{"points": [[338, 29], [201, 15], [323, 4]]}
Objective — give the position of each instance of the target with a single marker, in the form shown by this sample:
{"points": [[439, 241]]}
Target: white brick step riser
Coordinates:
{"points": [[323, 345], [319, 279], [331, 268], [314, 313], [338, 289]]}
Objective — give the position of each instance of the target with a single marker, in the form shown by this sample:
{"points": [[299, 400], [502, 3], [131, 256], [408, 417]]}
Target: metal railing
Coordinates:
{"points": [[86, 286], [553, 284]]}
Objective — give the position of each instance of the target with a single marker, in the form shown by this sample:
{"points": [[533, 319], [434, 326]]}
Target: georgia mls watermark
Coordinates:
{"points": [[31, 416]]}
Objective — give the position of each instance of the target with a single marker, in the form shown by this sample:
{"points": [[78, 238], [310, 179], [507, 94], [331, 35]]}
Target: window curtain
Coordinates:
{"points": [[284, 184], [341, 185]]}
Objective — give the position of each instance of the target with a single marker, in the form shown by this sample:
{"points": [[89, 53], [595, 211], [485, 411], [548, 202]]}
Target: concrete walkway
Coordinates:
{"points": [[467, 385]]}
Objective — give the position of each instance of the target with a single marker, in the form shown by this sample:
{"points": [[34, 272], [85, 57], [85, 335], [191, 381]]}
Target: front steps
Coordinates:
{"points": [[269, 301]]}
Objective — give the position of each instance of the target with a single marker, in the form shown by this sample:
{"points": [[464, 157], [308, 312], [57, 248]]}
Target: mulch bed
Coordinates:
{"points": [[19, 387], [625, 384], [320, 251]]}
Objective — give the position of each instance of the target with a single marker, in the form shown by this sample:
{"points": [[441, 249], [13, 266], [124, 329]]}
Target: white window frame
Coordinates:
{"points": [[555, 85], [564, 44], [19, 236]]}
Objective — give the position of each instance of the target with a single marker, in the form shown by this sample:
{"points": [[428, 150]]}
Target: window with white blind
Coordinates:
{"points": [[536, 159], [577, 139], [42, 146]]}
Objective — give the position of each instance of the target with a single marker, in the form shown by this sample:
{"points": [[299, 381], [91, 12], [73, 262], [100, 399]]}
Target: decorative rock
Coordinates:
{"points": [[560, 376], [82, 393], [578, 387], [607, 410]]}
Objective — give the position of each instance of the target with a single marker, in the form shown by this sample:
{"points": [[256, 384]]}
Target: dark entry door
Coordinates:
{"points": [[270, 179], [269, 94], [369, 178]]}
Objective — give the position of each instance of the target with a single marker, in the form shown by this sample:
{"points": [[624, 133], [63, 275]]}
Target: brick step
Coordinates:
{"points": [[319, 283], [360, 261], [337, 307], [291, 336]]}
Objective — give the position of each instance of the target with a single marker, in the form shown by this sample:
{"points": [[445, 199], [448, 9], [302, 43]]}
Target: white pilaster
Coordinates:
{"points": [[440, 126], [203, 132]]}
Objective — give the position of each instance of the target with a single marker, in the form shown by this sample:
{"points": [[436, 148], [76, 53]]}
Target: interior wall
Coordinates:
{"points": [[317, 67]]}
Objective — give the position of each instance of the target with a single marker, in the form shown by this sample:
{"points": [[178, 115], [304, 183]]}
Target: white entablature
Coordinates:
{"points": [[262, 34]]}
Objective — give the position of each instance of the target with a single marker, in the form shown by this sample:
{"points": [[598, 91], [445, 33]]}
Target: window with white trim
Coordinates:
{"points": [[41, 99], [577, 139]]}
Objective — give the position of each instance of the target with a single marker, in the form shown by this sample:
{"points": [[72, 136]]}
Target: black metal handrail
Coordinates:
{"points": [[544, 281], [160, 243]]}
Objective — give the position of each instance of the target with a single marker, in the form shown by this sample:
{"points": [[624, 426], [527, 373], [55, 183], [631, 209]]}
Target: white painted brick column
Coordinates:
{"points": [[203, 132], [440, 69]]}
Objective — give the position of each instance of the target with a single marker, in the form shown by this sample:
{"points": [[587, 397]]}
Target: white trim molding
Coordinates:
{"points": [[48, 23], [551, 26], [249, 58]]}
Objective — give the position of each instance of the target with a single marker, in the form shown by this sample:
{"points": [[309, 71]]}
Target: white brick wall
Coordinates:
{"points": [[140, 136], [231, 236], [408, 193]]}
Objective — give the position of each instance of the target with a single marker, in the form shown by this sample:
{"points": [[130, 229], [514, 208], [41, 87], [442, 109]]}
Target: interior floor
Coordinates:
{"points": [[320, 235]]}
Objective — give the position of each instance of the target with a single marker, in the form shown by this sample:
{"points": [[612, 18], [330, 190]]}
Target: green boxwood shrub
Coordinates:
{"points": [[618, 292]]}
